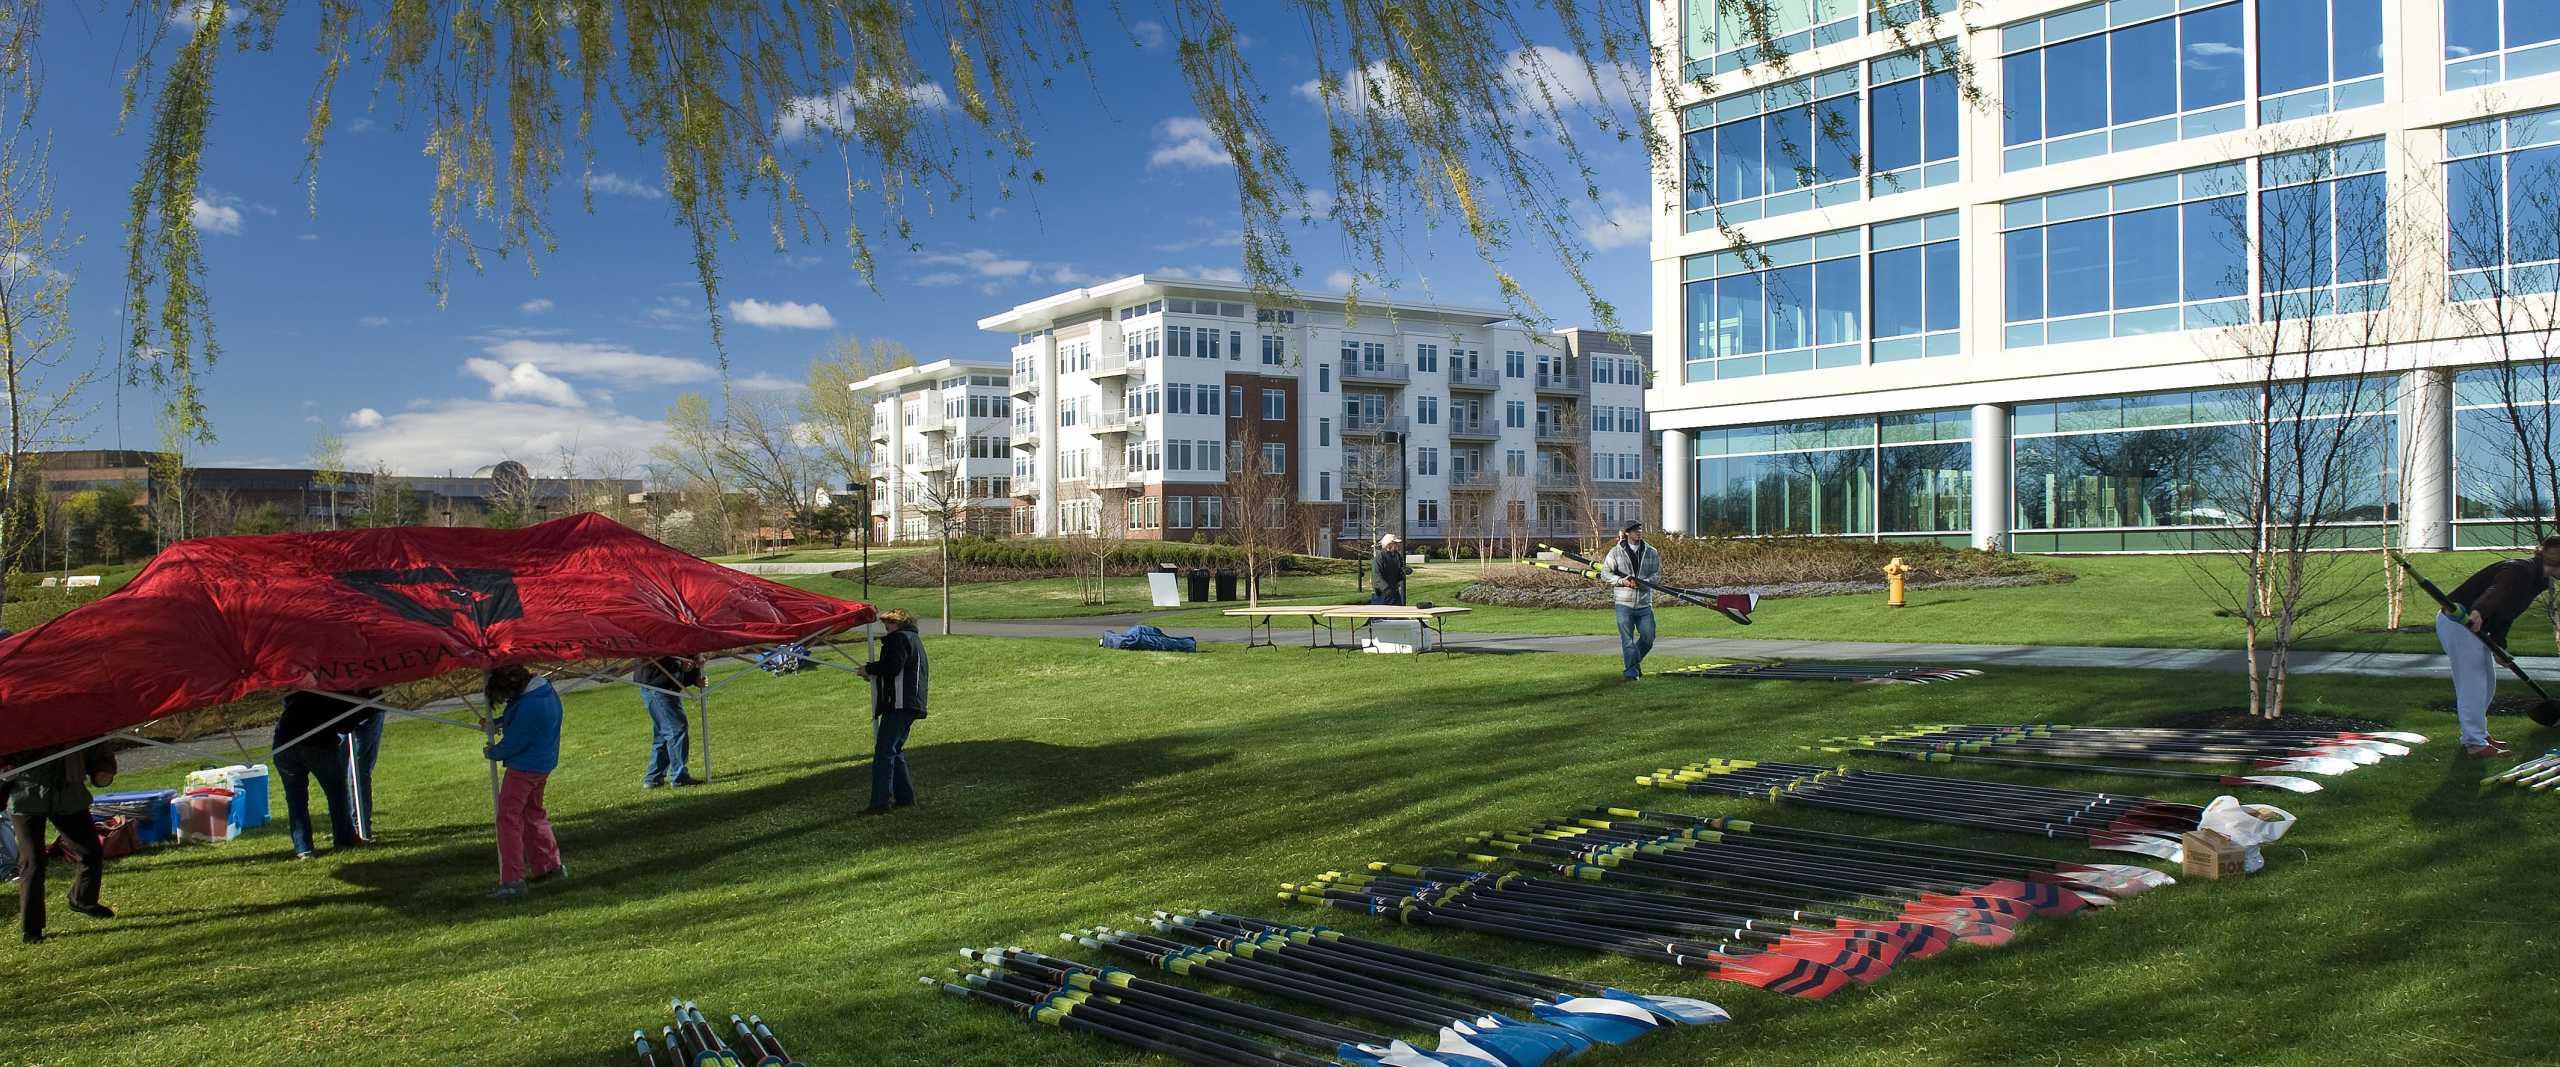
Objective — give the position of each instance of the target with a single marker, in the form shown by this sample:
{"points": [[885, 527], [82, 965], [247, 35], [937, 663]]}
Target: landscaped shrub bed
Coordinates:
{"points": [[1026, 558], [1772, 567]]}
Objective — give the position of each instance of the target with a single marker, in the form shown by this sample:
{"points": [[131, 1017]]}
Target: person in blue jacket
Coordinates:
{"points": [[898, 680], [530, 748]]}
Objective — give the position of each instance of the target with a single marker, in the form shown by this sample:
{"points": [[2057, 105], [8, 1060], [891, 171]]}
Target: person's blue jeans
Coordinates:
{"points": [[2475, 678], [367, 740], [8, 851], [1635, 636], [669, 740], [889, 782], [296, 769]]}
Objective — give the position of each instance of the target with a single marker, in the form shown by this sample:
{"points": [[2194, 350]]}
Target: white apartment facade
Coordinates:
{"points": [[1138, 400], [2019, 322], [940, 433]]}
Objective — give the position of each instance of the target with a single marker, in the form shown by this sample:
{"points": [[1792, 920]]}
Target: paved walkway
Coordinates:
{"points": [[2384, 664]]}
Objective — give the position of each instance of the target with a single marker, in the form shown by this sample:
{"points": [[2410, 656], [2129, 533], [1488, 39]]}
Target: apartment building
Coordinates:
{"points": [[940, 436], [1143, 406], [2025, 319]]}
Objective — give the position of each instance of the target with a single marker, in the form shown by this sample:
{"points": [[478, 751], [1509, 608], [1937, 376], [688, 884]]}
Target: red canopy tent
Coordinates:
{"points": [[219, 619]]}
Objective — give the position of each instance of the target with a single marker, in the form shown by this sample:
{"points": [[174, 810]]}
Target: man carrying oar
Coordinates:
{"points": [[1633, 567], [2485, 605]]}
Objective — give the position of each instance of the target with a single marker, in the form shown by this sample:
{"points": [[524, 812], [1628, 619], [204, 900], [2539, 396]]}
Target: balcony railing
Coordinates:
{"points": [[1559, 480], [1367, 427], [1375, 372], [1102, 422], [1469, 481], [1114, 365], [1559, 382], [1024, 385], [1556, 435], [1471, 378], [1472, 428]]}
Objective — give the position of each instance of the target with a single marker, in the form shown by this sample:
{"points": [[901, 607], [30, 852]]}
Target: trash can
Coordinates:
{"points": [[1226, 585], [1197, 579]]}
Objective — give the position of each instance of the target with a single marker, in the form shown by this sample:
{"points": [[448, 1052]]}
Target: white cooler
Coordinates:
{"points": [[1392, 636]]}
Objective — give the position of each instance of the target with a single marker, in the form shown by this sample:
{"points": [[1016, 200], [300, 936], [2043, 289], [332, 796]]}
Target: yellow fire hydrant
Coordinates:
{"points": [[1893, 573]]}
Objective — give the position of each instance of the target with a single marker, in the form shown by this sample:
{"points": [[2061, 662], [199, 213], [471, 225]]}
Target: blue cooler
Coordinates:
{"points": [[252, 802], [154, 813]]}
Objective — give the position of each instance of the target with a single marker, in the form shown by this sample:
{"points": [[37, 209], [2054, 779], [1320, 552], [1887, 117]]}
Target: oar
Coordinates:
{"points": [[1146, 1039], [1735, 606], [640, 1048], [1177, 1000], [2115, 879], [2140, 843], [2320, 765], [2208, 732], [2362, 753], [2266, 781]]}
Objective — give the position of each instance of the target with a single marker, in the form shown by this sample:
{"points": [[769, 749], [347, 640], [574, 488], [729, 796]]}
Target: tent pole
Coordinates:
{"points": [[703, 703], [489, 731]]}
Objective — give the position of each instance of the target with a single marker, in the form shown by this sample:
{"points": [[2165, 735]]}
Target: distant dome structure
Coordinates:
{"points": [[510, 481]]}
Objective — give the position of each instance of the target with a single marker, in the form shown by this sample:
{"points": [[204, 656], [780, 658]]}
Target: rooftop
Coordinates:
{"points": [[926, 373], [1039, 314]]}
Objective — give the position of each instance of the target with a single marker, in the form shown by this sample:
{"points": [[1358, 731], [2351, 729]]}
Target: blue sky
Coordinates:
{"points": [[328, 320]]}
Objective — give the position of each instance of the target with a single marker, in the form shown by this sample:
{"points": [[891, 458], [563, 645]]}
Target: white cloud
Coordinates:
{"points": [[1066, 275], [1616, 221], [374, 322], [1149, 32], [1360, 89], [587, 359], [308, 237], [784, 315], [993, 269], [1229, 239], [363, 419], [191, 16], [941, 278], [362, 124], [836, 111], [1339, 281], [1205, 274], [612, 184], [980, 262], [216, 218], [464, 434], [1187, 142], [522, 381], [535, 306], [1567, 79], [762, 382]]}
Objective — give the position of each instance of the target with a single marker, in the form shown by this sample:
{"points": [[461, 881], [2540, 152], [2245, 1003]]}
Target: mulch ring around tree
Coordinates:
{"points": [[2238, 718], [2497, 708]]}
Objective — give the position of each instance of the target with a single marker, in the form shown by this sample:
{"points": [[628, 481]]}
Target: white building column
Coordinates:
{"points": [[1991, 477], [1679, 489], [2426, 446], [1044, 462], [894, 490]]}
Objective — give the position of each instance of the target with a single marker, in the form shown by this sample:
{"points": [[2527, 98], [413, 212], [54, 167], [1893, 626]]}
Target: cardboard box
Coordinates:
{"points": [[2211, 856]]}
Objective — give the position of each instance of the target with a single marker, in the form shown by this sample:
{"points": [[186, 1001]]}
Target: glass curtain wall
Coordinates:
{"points": [[2503, 450], [1900, 476]]}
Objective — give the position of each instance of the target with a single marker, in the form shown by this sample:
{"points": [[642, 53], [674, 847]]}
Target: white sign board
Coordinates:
{"points": [[1161, 588], [80, 581]]}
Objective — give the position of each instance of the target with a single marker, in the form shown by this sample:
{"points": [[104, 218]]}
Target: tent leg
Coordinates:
{"points": [[489, 731], [703, 700]]}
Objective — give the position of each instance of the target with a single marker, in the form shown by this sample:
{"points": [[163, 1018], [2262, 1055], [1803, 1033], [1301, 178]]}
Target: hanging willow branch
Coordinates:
{"points": [[1435, 110]]}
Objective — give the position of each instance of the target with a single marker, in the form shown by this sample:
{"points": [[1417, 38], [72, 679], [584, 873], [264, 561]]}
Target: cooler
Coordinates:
{"points": [[208, 814], [154, 812]]}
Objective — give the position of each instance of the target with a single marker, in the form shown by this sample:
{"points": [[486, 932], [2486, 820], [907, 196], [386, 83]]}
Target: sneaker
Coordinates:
{"points": [[552, 875], [686, 780], [31, 939], [94, 911], [2494, 749], [873, 810], [306, 855], [508, 891]]}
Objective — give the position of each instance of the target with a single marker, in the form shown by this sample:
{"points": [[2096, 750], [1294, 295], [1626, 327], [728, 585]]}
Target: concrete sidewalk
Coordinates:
{"points": [[2230, 661]]}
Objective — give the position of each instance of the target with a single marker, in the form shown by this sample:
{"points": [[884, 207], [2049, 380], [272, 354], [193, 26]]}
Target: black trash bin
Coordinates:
{"points": [[1198, 580], [1226, 585]]}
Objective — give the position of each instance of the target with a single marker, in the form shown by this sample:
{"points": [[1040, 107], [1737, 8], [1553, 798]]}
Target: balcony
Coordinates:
{"points": [[1392, 373], [1556, 480], [1115, 421], [1025, 439], [1117, 478], [1026, 488], [1470, 481], [1475, 379], [938, 461], [1476, 429], [1557, 435], [1559, 382], [1024, 384], [934, 423], [1373, 427]]}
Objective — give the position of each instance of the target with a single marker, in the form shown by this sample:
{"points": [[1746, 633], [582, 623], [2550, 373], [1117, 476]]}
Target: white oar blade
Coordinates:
{"points": [[2119, 880], [2387, 748], [2357, 754], [2140, 846], [2320, 765], [2403, 738], [2279, 781]]}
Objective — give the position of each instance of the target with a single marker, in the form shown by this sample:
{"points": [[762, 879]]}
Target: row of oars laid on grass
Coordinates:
{"points": [[1470, 1007], [1865, 746], [2111, 821], [693, 1042], [2292, 753], [2539, 774], [1861, 673]]}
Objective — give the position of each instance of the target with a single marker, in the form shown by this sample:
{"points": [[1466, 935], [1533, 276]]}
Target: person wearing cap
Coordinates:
{"points": [[898, 682], [1387, 571], [2486, 605], [1632, 567]]}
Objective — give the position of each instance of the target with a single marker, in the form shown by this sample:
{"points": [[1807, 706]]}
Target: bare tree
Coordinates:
{"points": [[1373, 490], [764, 453], [2300, 470], [41, 394], [840, 422], [942, 500], [1095, 546], [328, 468], [691, 452], [1260, 504]]}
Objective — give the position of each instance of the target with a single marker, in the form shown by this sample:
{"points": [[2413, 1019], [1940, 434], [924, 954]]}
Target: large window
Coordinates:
{"points": [[1912, 124], [2318, 56], [2503, 447], [2155, 472], [2322, 231], [1716, 37], [1907, 475], [1773, 151], [2489, 41], [2502, 192], [1924, 473], [1916, 286], [2113, 77], [2150, 255], [1792, 306]]}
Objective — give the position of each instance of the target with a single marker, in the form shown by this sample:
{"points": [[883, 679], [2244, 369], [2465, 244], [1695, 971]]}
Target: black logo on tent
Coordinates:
{"points": [[451, 597]]}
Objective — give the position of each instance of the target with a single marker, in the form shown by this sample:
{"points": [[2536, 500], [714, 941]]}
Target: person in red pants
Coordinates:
{"points": [[57, 791], [530, 748]]}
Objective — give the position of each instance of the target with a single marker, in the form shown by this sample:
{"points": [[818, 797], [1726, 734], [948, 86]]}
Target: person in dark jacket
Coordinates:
{"points": [[312, 743], [1387, 571], [2486, 605], [662, 682], [898, 683], [57, 791]]}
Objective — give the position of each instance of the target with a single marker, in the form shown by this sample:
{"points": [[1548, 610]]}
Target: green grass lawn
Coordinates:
{"points": [[2140, 601], [2407, 919]]}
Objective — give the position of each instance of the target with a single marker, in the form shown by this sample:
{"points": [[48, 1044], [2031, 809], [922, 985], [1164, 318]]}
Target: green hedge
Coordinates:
{"points": [[1041, 554]]}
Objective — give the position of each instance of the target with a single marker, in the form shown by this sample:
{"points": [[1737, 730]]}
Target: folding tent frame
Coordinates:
{"points": [[611, 672]]}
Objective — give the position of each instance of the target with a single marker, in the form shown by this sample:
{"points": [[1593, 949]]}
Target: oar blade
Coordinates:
{"points": [[1685, 1011], [2276, 781]]}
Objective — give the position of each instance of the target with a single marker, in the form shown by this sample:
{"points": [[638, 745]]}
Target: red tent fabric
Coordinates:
{"points": [[222, 618]]}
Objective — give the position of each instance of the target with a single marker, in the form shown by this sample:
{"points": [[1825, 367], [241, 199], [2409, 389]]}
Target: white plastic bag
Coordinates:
{"points": [[2247, 825]]}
